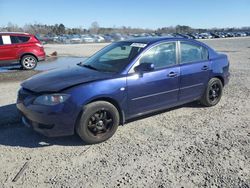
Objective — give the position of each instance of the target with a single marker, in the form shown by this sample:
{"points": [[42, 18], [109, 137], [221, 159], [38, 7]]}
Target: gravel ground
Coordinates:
{"points": [[188, 146]]}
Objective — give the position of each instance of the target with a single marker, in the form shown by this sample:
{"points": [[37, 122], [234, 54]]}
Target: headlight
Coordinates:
{"points": [[51, 99]]}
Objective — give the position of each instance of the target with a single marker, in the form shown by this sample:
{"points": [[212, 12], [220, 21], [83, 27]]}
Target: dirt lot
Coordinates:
{"points": [[74, 49], [188, 146]]}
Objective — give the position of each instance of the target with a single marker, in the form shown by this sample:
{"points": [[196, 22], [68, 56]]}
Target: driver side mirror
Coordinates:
{"points": [[144, 67]]}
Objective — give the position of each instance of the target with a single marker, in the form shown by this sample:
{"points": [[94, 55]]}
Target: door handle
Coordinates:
{"points": [[205, 67], [172, 74]]}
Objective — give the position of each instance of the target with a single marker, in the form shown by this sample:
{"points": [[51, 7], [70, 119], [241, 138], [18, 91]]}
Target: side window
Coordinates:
{"points": [[192, 53], [162, 55], [22, 39], [6, 39], [13, 39], [1, 40], [117, 53]]}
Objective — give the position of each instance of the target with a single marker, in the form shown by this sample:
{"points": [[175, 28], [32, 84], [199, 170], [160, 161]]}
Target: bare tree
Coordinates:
{"points": [[13, 28], [94, 28]]}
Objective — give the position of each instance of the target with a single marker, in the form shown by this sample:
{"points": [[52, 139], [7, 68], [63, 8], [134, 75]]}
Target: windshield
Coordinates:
{"points": [[113, 58]]}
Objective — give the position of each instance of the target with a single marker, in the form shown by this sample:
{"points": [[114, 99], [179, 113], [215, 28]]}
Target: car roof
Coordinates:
{"points": [[151, 40], [14, 33]]}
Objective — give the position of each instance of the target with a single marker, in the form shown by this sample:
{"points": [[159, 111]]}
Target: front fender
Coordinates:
{"points": [[113, 89]]}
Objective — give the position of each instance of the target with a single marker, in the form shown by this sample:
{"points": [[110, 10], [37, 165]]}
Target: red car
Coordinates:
{"points": [[20, 47]]}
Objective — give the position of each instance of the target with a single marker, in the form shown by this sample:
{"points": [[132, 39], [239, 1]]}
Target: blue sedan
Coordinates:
{"points": [[122, 81]]}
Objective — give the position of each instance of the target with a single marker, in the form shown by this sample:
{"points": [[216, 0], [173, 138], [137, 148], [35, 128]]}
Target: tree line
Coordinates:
{"points": [[60, 29]]}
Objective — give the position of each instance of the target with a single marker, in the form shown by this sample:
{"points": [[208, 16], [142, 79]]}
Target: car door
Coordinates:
{"points": [[8, 49], [158, 88], [195, 68]]}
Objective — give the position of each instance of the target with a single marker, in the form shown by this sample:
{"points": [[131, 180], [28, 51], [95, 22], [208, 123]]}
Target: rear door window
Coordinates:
{"points": [[193, 53], [6, 39], [13, 39], [23, 39]]}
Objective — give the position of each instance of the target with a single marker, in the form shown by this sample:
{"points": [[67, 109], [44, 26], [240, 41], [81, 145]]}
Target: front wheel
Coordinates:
{"points": [[213, 92], [99, 121], [28, 62]]}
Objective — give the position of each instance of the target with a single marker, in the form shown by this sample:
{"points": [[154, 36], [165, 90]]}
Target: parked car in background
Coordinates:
{"points": [[99, 38], [205, 35], [87, 39], [23, 48], [117, 36], [230, 34], [215, 35], [192, 36], [124, 80], [76, 40], [241, 34], [182, 35], [108, 38]]}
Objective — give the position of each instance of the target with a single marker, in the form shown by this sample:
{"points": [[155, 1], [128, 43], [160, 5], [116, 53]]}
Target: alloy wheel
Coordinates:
{"points": [[29, 62], [214, 92], [100, 123]]}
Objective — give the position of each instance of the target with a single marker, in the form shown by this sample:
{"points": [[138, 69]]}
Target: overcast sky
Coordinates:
{"points": [[135, 13]]}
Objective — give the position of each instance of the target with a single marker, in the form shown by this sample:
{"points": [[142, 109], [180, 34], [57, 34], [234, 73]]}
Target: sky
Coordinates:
{"points": [[151, 14]]}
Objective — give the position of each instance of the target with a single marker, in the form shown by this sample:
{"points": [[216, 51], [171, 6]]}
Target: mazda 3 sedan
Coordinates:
{"points": [[122, 81]]}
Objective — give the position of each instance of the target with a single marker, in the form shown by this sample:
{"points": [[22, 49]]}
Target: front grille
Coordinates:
{"points": [[44, 126]]}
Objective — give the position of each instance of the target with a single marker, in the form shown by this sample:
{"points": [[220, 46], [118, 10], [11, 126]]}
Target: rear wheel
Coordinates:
{"points": [[28, 62], [99, 121], [213, 92]]}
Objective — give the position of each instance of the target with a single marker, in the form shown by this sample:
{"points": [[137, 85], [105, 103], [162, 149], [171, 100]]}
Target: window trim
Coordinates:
{"points": [[131, 70], [194, 44]]}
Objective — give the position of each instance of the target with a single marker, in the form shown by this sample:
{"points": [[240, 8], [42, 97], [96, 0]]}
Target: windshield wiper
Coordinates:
{"points": [[87, 66]]}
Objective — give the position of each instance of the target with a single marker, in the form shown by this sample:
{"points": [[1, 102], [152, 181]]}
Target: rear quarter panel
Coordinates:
{"points": [[33, 46], [30, 48], [220, 67], [219, 64]]}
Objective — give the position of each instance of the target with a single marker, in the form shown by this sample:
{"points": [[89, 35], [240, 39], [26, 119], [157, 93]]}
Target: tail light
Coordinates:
{"points": [[39, 45]]}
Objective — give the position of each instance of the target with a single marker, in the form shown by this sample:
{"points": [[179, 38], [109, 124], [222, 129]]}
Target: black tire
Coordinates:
{"points": [[28, 62], [213, 92], [94, 126]]}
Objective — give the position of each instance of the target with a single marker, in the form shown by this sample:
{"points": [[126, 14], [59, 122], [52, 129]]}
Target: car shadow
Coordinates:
{"points": [[12, 67], [14, 133], [188, 105]]}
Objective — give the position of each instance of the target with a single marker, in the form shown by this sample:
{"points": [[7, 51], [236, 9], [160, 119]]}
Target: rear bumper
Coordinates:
{"points": [[41, 58]]}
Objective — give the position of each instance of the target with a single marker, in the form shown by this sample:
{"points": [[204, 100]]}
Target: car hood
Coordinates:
{"points": [[57, 80]]}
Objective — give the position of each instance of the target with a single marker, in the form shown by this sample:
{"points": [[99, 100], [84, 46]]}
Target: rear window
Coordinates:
{"points": [[22, 39], [36, 38]]}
